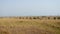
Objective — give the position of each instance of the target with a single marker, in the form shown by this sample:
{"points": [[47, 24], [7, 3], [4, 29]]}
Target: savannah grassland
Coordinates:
{"points": [[29, 26]]}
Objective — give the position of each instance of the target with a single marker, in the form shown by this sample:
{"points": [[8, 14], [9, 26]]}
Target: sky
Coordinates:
{"points": [[29, 7]]}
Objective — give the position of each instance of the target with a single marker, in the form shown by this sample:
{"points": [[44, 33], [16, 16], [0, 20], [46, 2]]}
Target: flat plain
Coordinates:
{"points": [[29, 26]]}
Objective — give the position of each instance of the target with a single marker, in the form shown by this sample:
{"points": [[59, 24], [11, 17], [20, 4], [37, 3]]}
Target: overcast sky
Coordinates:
{"points": [[29, 7]]}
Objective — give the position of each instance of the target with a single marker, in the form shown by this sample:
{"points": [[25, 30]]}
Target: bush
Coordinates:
{"points": [[48, 17], [30, 17], [19, 17], [58, 17], [54, 18], [38, 18], [34, 17]]}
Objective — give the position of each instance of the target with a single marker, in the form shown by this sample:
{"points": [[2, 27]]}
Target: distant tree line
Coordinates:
{"points": [[39, 17], [35, 17]]}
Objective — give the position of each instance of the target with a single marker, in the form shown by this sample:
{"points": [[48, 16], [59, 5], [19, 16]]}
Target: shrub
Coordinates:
{"points": [[19, 17], [48, 17], [26, 17], [30, 17], [38, 18], [54, 18], [34, 17], [58, 17]]}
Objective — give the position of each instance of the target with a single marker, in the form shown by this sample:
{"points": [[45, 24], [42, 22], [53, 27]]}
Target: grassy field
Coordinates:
{"points": [[29, 26]]}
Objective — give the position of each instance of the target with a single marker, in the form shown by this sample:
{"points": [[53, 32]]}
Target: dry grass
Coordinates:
{"points": [[29, 26]]}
